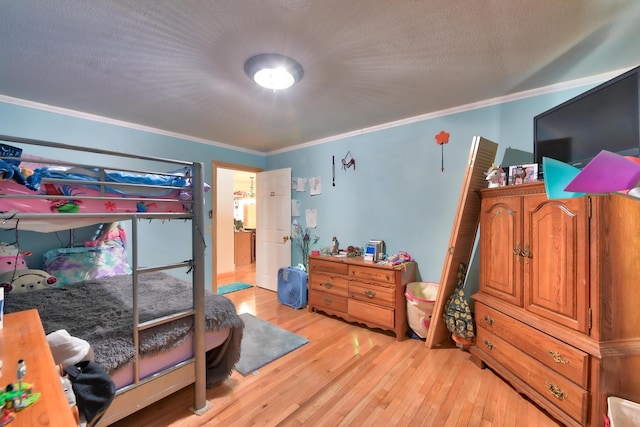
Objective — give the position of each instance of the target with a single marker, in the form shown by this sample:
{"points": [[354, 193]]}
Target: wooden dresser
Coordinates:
{"points": [[558, 307], [361, 292], [23, 338]]}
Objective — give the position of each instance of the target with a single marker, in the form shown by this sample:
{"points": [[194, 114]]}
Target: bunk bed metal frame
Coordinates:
{"points": [[143, 392]]}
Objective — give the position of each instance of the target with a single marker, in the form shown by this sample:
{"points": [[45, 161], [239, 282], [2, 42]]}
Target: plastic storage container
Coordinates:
{"points": [[623, 413], [421, 297]]}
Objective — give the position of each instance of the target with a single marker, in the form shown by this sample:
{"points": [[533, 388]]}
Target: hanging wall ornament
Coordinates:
{"points": [[348, 161], [442, 138], [333, 170]]}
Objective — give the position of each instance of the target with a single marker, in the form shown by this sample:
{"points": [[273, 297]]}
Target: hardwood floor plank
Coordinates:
{"points": [[347, 375]]}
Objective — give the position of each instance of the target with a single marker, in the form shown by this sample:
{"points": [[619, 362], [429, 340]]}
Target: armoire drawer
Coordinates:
{"points": [[555, 388], [553, 353], [329, 283], [375, 314], [326, 300], [373, 294]]}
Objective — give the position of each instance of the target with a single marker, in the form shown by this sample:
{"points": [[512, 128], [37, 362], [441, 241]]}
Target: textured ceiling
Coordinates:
{"points": [[178, 65]]}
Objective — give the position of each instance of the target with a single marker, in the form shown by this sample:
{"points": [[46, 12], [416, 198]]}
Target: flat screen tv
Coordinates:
{"points": [[606, 117]]}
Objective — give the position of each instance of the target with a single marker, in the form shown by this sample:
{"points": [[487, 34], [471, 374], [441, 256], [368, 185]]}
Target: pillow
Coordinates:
{"points": [[73, 265]]}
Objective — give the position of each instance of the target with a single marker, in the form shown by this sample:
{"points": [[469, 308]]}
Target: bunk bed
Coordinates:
{"points": [[192, 337]]}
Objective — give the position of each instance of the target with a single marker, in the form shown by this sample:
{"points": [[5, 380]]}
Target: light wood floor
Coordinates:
{"points": [[348, 375]]}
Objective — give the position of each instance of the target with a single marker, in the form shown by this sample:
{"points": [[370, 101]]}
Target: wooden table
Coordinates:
{"points": [[23, 338]]}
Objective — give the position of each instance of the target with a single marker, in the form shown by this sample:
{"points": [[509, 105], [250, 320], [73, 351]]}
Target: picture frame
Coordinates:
{"points": [[523, 174]]}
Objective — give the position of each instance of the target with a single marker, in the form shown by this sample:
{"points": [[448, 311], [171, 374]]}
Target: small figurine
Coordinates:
{"points": [[495, 176], [335, 246]]}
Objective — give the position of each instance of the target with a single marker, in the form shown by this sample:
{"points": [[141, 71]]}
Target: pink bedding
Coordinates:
{"points": [[77, 198]]}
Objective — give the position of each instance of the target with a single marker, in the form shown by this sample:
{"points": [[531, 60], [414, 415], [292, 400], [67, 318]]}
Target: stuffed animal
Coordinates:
{"points": [[11, 258], [27, 280], [16, 276]]}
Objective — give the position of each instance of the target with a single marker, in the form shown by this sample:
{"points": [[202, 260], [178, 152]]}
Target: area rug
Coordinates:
{"points": [[264, 342], [232, 287]]}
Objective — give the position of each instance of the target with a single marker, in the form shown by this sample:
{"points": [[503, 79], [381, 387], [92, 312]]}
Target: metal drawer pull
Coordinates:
{"points": [[517, 251], [328, 285], [557, 357], [327, 300], [488, 320], [488, 344], [557, 392], [369, 294], [527, 254]]}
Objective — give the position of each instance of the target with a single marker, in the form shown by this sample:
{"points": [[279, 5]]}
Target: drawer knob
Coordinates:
{"points": [[369, 294], [488, 344], [327, 300], [557, 392], [488, 320], [557, 357], [328, 285]]}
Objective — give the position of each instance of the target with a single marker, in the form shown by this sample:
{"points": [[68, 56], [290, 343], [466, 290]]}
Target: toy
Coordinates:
{"points": [[495, 176], [16, 276], [400, 258], [17, 396], [11, 258], [28, 280]]}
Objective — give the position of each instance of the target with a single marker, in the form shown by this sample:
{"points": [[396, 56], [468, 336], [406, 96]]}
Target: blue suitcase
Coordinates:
{"points": [[292, 287]]}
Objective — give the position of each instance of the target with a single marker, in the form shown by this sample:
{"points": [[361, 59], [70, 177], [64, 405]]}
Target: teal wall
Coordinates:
{"points": [[396, 193]]}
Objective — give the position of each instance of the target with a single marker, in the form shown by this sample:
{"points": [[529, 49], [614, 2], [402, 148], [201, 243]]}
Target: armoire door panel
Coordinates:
{"points": [[500, 232], [556, 260]]}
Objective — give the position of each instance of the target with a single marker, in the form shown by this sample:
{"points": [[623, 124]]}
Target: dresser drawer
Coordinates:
{"points": [[373, 294], [322, 300], [561, 357], [381, 316], [317, 265], [555, 388], [372, 274], [329, 283]]}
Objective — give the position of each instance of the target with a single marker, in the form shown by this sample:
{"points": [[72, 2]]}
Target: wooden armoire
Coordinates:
{"points": [[558, 307]]}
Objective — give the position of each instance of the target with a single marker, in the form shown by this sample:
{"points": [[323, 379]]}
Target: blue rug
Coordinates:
{"points": [[264, 342], [232, 287]]}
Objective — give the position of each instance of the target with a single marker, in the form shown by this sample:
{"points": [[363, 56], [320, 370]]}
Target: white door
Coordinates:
{"points": [[273, 224]]}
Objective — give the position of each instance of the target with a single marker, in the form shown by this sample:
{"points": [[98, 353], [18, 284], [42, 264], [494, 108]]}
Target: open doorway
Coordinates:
{"points": [[233, 223]]}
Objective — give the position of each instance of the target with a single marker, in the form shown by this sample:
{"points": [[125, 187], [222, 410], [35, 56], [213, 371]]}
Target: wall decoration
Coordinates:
{"points": [[442, 138], [316, 186], [301, 184], [333, 169], [523, 174], [348, 161]]}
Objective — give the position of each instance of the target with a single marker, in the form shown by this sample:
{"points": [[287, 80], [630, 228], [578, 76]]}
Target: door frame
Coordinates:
{"points": [[214, 210]]}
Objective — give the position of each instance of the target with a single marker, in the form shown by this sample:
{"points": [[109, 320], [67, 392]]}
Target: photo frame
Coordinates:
{"points": [[523, 174]]}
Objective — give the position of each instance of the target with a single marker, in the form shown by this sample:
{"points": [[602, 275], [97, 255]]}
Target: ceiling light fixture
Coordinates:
{"points": [[273, 71]]}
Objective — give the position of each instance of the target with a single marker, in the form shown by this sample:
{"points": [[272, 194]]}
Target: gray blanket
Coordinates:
{"points": [[100, 312]]}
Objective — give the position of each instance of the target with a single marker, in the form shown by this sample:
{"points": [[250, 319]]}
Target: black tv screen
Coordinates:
{"points": [[606, 117]]}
